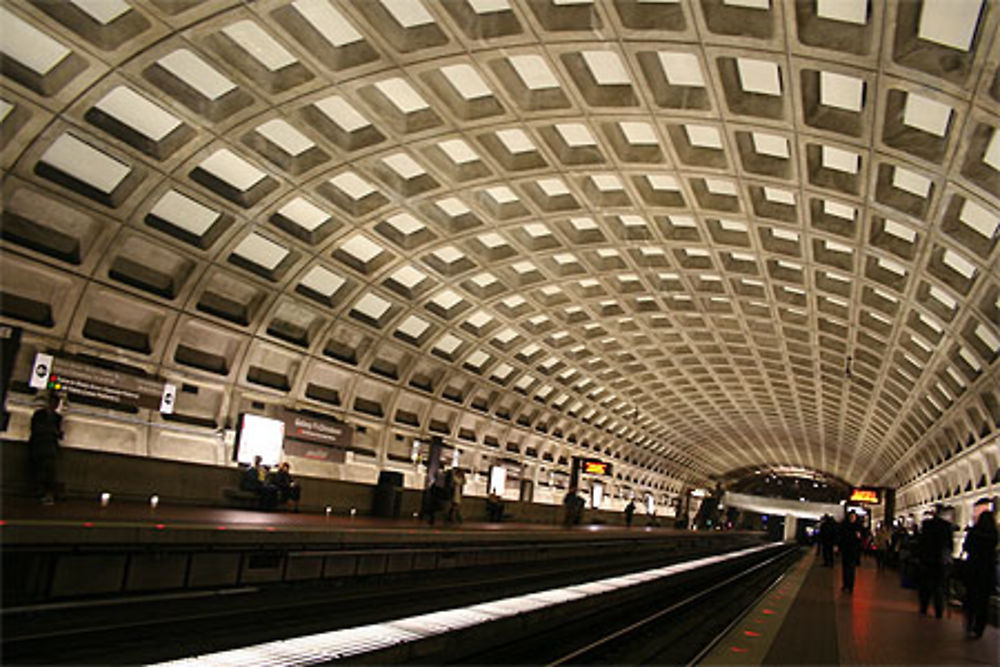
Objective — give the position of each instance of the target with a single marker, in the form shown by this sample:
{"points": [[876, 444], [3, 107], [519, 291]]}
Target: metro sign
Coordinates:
{"points": [[870, 496]]}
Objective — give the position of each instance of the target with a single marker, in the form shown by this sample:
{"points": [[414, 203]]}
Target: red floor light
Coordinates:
{"points": [[88, 524], [768, 611], [220, 527], [751, 633], [2, 522], [737, 649], [161, 526]]}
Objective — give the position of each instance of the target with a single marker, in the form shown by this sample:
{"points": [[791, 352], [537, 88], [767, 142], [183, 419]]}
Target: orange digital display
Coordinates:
{"points": [[595, 467], [865, 496]]}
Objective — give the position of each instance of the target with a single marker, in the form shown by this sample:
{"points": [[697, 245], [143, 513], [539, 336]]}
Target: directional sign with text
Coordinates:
{"points": [[80, 379]]}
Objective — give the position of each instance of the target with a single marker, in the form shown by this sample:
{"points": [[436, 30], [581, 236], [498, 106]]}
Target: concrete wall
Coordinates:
{"points": [[86, 473]]}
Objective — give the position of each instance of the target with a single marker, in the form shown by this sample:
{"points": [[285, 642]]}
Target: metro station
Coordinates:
{"points": [[531, 332]]}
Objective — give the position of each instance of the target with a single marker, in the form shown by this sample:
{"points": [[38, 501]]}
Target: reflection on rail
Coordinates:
{"points": [[339, 644]]}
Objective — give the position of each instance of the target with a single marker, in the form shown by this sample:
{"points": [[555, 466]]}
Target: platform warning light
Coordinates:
{"points": [[105, 499], [354, 511], [154, 501], [329, 511]]}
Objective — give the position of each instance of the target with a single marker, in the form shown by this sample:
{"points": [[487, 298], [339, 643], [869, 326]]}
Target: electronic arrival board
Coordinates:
{"points": [[865, 495], [595, 467]]}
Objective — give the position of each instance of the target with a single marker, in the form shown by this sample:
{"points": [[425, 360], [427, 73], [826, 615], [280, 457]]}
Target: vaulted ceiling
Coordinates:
{"points": [[696, 236]]}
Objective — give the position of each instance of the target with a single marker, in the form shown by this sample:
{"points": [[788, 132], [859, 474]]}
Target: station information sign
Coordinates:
{"points": [[316, 437], [865, 495], [80, 379]]}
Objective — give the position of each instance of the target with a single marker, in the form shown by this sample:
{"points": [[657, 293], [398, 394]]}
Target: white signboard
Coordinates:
{"points": [[498, 480], [168, 399], [40, 371]]}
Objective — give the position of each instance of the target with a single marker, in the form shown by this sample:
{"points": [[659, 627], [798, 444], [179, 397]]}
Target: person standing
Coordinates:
{"points": [[457, 485], [980, 577], [43, 447], [882, 543], [629, 513], [827, 539], [494, 507], [572, 506], [933, 555], [850, 550]]}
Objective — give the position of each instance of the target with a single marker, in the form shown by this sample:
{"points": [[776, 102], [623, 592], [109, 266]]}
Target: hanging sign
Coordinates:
{"points": [[866, 495], [316, 437], [595, 467], [79, 379]]}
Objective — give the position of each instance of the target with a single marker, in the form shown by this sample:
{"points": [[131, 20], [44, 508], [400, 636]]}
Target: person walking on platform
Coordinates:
{"points": [[980, 577], [43, 447], [629, 513], [850, 550], [933, 555], [827, 539]]}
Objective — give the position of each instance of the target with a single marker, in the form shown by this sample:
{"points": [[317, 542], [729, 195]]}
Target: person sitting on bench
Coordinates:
{"points": [[255, 481], [288, 488]]}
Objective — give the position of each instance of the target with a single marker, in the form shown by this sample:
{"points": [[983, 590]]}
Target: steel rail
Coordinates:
{"points": [[644, 622]]}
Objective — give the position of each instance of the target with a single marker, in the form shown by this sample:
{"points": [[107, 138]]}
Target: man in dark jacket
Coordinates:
{"points": [[255, 480], [934, 555], [980, 573], [288, 488], [43, 447], [850, 550], [629, 513], [827, 539]]}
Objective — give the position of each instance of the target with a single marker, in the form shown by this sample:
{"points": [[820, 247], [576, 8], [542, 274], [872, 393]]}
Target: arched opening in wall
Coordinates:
{"points": [[982, 482], [996, 476]]}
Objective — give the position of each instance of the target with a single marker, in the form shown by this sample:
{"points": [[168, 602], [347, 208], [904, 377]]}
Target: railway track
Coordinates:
{"points": [[676, 624], [167, 627]]}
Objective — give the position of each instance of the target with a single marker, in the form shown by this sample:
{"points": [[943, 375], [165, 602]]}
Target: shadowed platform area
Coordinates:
{"points": [[808, 620]]}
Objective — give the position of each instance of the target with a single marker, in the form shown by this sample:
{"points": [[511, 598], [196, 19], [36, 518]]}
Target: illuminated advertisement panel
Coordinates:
{"points": [[865, 495], [260, 436], [498, 480]]}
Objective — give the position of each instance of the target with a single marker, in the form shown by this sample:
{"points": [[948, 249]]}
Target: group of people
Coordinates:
{"points": [[932, 546], [925, 556], [272, 488], [444, 496]]}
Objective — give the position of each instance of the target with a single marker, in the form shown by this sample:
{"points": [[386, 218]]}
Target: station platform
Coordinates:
{"points": [[807, 620], [25, 520], [79, 550]]}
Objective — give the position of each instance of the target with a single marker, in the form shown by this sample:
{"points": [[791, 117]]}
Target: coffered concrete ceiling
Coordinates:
{"points": [[693, 236]]}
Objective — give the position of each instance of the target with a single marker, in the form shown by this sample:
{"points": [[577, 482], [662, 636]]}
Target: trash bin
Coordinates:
{"points": [[388, 495]]}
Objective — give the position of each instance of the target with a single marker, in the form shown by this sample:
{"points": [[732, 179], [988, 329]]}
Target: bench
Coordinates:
{"points": [[236, 497]]}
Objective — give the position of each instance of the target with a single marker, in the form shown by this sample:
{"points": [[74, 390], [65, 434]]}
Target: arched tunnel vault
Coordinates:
{"points": [[690, 236]]}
